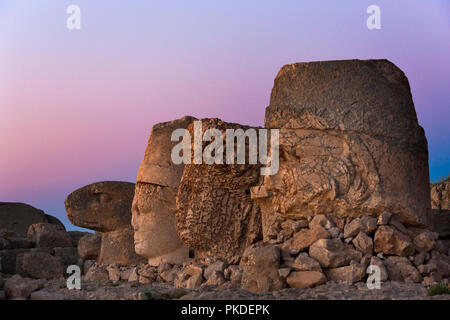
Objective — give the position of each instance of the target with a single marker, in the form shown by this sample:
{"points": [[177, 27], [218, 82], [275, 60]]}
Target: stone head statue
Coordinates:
{"points": [[350, 143], [155, 235]]}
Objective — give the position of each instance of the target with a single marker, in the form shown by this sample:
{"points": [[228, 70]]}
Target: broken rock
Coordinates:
{"points": [[260, 269], [390, 241], [333, 253]]}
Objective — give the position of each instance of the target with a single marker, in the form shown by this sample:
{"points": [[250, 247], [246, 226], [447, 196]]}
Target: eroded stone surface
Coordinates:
{"points": [[101, 206], [332, 253], [106, 207], [260, 269], [17, 217], [348, 274], [347, 148], [46, 235], [154, 207], [440, 195], [302, 279], [215, 213], [390, 241], [89, 246]]}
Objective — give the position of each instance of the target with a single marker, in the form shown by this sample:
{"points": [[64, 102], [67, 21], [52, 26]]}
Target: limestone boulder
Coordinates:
{"points": [[118, 247], [260, 266], [216, 278], [401, 269], [154, 206], [425, 241], [355, 226], [157, 166], [441, 223], [194, 281], [380, 264], [106, 207], [302, 279], [76, 236], [19, 242], [216, 216], [12, 240], [391, 241], [101, 206], [18, 217], [333, 253], [363, 243], [41, 265], [440, 195], [347, 274], [349, 140], [89, 246], [306, 237], [18, 288], [46, 235], [4, 244], [305, 263], [155, 235], [97, 273], [10, 259]]}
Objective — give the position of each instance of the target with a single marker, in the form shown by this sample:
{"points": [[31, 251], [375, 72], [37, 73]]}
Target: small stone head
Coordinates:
{"points": [[102, 206]]}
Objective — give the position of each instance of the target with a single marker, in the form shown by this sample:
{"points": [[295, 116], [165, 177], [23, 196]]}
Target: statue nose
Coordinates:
{"points": [[134, 218]]}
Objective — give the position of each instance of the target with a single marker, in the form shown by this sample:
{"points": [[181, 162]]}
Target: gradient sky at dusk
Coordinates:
{"points": [[77, 107]]}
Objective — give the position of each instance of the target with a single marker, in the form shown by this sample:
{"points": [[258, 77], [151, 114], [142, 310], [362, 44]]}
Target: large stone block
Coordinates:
{"points": [[46, 235], [40, 265], [441, 222]]}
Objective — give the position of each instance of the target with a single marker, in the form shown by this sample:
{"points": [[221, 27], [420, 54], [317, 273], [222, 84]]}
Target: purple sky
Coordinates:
{"points": [[77, 106]]}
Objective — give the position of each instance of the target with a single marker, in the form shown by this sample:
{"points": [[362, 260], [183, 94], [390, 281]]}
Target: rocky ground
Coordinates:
{"points": [[120, 290]]}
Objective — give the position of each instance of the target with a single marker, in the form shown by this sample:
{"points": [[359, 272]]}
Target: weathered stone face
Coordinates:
{"points": [[106, 207], [155, 236], [349, 141], [153, 209], [215, 214]]}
